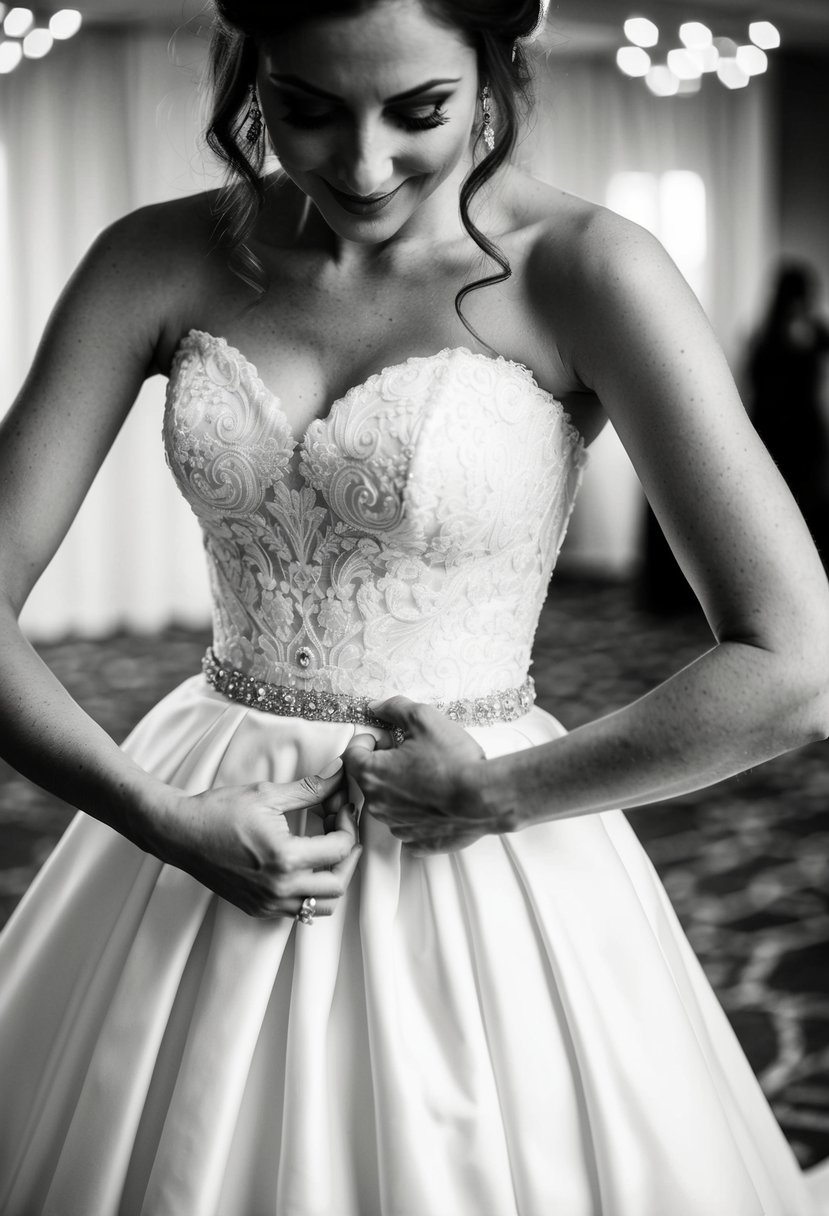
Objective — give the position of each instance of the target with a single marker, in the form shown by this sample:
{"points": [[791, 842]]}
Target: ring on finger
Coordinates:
{"points": [[307, 910]]}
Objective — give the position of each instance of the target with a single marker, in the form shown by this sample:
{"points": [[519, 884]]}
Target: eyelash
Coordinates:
{"points": [[409, 122]]}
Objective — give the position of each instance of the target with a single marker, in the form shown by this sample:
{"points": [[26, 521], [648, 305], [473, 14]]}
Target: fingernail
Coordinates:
{"points": [[332, 768]]}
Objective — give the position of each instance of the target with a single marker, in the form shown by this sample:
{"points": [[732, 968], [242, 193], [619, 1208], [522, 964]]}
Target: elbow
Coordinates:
{"points": [[791, 697], [818, 722], [805, 707], [815, 686]]}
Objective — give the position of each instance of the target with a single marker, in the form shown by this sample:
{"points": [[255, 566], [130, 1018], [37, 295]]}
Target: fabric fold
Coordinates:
{"points": [[513, 1030]]}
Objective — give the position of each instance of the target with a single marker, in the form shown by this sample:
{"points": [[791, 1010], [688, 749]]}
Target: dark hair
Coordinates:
{"points": [[493, 28]]}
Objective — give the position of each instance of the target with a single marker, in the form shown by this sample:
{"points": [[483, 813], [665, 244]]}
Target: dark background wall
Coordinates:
{"points": [[803, 151]]}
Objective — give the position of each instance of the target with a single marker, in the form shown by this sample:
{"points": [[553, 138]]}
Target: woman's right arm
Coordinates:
{"points": [[98, 347]]}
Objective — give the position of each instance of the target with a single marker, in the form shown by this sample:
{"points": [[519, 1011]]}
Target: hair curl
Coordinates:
{"points": [[494, 28]]}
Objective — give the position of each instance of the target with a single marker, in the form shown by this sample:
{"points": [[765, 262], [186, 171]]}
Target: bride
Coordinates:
{"points": [[230, 994]]}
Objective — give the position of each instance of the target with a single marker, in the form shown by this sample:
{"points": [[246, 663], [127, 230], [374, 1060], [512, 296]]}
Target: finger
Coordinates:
{"points": [[358, 761], [304, 794], [330, 818], [410, 833], [444, 844], [364, 740], [397, 710], [311, 791], [319, 852], [347, 821], [338, 801], [317, 884], [403, 811], [399, 818], [332, 822], [344, 870], [333, 885], [413, 716]]}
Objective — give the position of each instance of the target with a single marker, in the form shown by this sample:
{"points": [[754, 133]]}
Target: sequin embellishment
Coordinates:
{"points": [[317, 706]]}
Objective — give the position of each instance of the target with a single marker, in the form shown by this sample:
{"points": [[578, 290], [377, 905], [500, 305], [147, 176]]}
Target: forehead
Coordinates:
{"points": [[388, 48]]}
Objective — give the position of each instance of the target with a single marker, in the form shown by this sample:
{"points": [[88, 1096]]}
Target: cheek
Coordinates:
{"points": [[435, 153], [441, 158], [301, 151]]}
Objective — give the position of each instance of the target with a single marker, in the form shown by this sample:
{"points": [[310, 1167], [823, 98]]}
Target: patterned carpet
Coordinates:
{"points": [[746, 864]]}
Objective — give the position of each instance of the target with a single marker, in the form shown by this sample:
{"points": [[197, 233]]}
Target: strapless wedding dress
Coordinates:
{"points": [[517, 1029]]}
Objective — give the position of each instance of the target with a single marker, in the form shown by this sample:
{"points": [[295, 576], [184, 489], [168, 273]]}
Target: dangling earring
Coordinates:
{"points": [[488, 130], [253, 119]]}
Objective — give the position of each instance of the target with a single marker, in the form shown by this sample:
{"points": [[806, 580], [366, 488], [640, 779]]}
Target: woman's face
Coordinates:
{"points": [[370, 113]]}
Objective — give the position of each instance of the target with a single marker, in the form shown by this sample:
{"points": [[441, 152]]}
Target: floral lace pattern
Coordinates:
{"points": [[404, 544]]}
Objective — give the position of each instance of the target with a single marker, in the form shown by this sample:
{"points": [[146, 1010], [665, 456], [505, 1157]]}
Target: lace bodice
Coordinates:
{"points": [[404, 544]]}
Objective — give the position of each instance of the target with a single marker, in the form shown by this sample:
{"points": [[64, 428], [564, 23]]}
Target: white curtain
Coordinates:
{"points": [[111, 121], [105, 123]]}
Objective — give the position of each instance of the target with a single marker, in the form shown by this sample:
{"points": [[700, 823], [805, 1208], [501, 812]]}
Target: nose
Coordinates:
{"points": [[366, 162]]}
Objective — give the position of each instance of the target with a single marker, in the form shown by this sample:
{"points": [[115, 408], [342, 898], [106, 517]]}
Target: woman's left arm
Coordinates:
{"points": [[639, 339]]}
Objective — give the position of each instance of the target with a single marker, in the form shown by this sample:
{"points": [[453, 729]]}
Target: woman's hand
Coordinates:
{"points": [[425, 790], [236, 841]]}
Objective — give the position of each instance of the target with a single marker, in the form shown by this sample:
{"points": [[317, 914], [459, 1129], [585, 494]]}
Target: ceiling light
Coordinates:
{"points": [[641, 32], [752, 60], [37, 44], [683, 65], [764, 34], [726, 47], [705, 57], [633, 61], [695, 35], [731, 74], [10, 55], [18, 22], [661, 81], [66, 23]]}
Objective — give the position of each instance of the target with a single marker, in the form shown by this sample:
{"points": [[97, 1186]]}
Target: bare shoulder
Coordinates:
{"points": [[173, 227], [591, 274], [100, 344], [106, 329], [581, 241], [142, 269]]}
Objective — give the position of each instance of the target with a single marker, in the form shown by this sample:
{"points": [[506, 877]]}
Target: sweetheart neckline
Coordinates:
{"points": [[498, 360]]}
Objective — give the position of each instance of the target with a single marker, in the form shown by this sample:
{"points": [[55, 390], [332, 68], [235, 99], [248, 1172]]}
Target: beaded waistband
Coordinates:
{"points": [[316, 706]]}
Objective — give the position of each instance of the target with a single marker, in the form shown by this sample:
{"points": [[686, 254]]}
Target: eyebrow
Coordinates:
{"points": [[296, 83]]}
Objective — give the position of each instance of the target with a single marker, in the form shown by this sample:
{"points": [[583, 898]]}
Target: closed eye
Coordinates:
{"points": [[312, 117]]}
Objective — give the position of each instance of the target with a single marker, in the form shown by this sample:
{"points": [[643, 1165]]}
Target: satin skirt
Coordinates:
{"points": [[517, 1029]]}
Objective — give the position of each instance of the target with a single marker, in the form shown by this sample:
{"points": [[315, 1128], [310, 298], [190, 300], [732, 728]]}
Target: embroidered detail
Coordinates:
{"points": [[403, 545]]}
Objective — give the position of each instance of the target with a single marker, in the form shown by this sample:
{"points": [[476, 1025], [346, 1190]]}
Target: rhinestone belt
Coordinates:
{"points": [[316, 706]]}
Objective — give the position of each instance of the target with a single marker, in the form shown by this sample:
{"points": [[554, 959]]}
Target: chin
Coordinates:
{"points": [[362, 232], [364, 229]]}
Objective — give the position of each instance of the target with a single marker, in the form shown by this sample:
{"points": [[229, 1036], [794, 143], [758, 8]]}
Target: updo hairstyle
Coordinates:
{"points": [[494, 28]]}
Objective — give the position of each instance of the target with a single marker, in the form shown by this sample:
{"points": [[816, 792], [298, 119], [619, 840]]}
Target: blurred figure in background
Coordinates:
{"points": [[786, 366], [785, 374]]}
